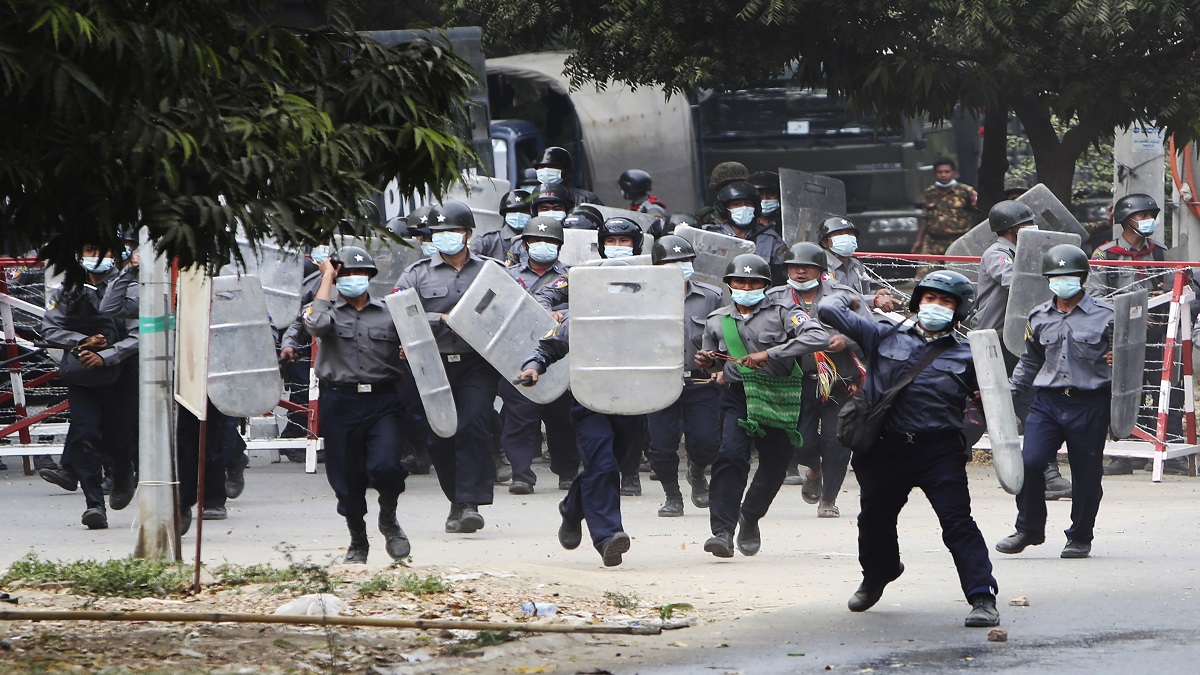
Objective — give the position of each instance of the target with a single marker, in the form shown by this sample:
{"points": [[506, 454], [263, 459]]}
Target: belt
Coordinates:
{"points": [[919, 437], [1077, 392], [698, 377], [458, 358], [360, 387]]}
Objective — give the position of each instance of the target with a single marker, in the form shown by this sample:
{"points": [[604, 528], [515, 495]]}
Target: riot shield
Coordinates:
{"points": [[1029, 288], [391, 258], [504, 323], [243, 374], [1129, 361], [806, 199], [1049, 213], [280, 271], [644, 259], [613, 308], [713, 252], [483, 195], [424, 361], [579, 246], [644, 220], [998, 408]]}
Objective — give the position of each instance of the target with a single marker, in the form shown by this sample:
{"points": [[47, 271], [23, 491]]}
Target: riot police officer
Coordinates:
{"points": [[1068, 360], [921, 442], [464, 465], [503, 244], [839, 238], [767, 184], [740, 207], [758, 342], [695, 414], [679, 218], [722, 174], [557, 168], [552, 201], [359, 367], [583, 217], [635, 186]]}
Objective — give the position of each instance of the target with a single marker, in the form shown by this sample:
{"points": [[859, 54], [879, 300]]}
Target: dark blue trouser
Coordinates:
{"points": [[936, 464], [223, 447], [104, 425], [732, 466], [522, 434], [822, 451], [595, 496], [695, 415], [464, 461], [362, 446], [1080, 419], [416, 427]]}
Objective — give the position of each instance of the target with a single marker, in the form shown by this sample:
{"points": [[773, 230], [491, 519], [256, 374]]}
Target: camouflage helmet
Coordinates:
{"points": [[671, 248], [747, 266], [1065, 259], [1008, 214], [725, 173], [807, 253]]}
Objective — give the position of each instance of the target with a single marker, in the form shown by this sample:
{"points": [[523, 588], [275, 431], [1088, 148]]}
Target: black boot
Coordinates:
{"points": [[356, 552], [398, 546], [699, 484], [235, 476], [673, 506], [631, 485], [503, 468], [1057, 487]]}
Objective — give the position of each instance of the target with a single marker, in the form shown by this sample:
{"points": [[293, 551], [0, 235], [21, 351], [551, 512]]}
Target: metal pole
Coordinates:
{"points": [[156, 479], [200, 478]]}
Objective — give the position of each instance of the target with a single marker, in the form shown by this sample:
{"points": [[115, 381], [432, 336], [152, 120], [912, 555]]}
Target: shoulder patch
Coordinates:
{"points": [[308, 310], [561, 282]]}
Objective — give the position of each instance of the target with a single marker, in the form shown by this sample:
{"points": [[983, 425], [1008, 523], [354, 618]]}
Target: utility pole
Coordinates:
{"points": [[1139, 167]]}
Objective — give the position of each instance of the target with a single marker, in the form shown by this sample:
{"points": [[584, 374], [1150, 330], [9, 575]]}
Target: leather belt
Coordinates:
{"points": [[360, 387]]}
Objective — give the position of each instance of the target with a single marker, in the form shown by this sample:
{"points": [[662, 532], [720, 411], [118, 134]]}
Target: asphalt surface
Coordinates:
{"points": [[1130, 608]]}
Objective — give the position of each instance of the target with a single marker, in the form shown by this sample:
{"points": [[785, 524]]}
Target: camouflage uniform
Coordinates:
{"points": [[948, 216]]}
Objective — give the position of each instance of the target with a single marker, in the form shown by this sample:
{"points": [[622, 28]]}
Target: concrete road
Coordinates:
{"points": [[1132, 607]]}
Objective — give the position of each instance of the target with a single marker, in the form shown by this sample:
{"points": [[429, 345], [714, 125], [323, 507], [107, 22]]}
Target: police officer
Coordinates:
{"points": [[556, 168], [767, 184], [224, 454], [635, 186], [552, 201], [921, 440], [541, 239], [722, 174], [583, 217], [1068, 360], [695, 414], [99, 367], [463, 462], [949, 210], [839, 238], [739, 206], [748, 339], [359, 367], [830, 377], [503, 244], [679, 218]]}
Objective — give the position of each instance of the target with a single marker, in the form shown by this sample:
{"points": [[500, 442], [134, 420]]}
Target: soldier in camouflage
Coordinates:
{"points": [[950, 210]]}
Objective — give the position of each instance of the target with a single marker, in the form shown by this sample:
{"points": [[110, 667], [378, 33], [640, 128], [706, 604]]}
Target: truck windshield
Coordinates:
{"points": [[781, 112]]}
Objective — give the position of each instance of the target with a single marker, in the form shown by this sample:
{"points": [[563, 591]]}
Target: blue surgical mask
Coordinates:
{"points": [[126, 253], [543, 251], [448, 243], [742, 215], [748, 298], [843, 244], [618, 251], [320, 254], [516, 220], [1066, 286], [952, 183], [1146, 227], [557, 215], [935, 317], [688, 269], [352, 286], [96, 265], [428, 248], [770, 205], [804, 285], [549, 176]]}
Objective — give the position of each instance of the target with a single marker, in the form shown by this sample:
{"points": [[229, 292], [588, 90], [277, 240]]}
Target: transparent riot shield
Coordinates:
{"points": [[579, 246], [1029, 288], [1129, 361], [644, 259], [998, 408], [1051, 216], [713, 252], [391, 258], [243, 374], [279, 270], [644, 220], [483, 195], [806, 199], [424, 360], [503, 323], [613, 308]]}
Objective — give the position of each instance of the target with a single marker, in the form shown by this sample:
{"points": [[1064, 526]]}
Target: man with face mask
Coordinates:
{"points": [[920, 443], [740, 206], [557, 168], [839, 238], [695, 415], [503, 244], [767, 184], [464, 464], [755, 343], [1068, 361], [950, 210], [552, 201], [359, 367], [541, 239]]}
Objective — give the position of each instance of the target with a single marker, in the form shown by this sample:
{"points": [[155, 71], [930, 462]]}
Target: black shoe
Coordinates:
{"points": [[452, 521], [297, 456], [1057, 487], [214, 513], [631, 485], [1017, 542], [398, 546], [122, 493], [869, 593], [356, 552], [564, 483], [39, 462], [1076, 549], [470, 520], [95, 518], [60, 477], [235, 476], [672, 507], [570, 532], [415, 466], [1119, 466], [503, 468], [185, 521], [749, 539], [983, 611], [612, 548], [106, 484], [520, 487], [720, 545], [699, 484]]}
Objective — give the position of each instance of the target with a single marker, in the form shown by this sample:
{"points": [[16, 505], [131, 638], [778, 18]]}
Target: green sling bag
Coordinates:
{"points": [[771, 401]]}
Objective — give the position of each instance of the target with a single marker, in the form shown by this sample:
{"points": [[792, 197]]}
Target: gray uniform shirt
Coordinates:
{"points": [[785, 333], [788, 297], [531, 280], [123, 294], [356, 346], [440, 287], [701, 301], [995, 278], [503, 244], [67, 306], [1066, 350], [852, 273]]}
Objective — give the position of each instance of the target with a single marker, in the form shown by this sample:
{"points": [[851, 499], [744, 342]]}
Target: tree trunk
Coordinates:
{"points": [[993, 162], [1055, 162]]}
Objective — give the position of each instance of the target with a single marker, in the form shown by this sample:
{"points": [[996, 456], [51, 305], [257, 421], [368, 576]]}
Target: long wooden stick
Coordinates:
{"points": [[377, 622]]}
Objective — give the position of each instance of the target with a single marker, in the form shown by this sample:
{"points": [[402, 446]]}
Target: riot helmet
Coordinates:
{"points": [[734, 192], [398, 227], [452, 215], [1065, 259], [671, 248], [634, 183], [353, 258], [676, 219], [419, 221], [547, 194], [748, 266], [619, 225], [516, 200], [835, 225], [1134, 203], [584, 217], [807, 253], [765, 182], [555, 157], [543, 227], [1006, 215], [947, 282]]}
